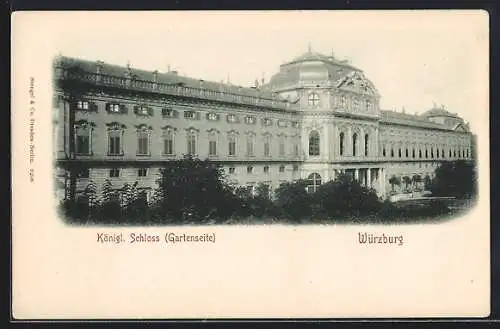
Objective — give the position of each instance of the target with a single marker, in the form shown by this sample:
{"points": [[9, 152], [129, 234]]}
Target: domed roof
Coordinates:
{"points": [[438, 112], [311, 67]]}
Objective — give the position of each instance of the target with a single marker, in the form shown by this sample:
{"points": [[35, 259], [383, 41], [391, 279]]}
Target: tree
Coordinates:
{"points": [[406, 181], [345, 196], [110, 206], [394, 180], [427, 182], [191, 189], [455, 178], [293, 200], [417, 179]]}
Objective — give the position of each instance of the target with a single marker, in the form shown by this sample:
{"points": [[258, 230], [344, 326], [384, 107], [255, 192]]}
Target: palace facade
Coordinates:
{"points": [[316, 117]]}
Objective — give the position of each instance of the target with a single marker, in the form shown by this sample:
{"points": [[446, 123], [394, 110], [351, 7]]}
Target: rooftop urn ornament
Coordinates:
{"points": [[309, 48]]}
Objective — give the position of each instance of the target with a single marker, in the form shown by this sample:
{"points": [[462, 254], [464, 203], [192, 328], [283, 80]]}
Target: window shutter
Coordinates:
{"points": [[150, 111], [123, 109], [207, 115], [107, 106], [136, 109], [197, 115], [175, 113], [93, 106]]}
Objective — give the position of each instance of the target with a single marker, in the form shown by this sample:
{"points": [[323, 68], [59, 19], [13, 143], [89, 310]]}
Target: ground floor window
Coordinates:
{"points": [[313, 181]]}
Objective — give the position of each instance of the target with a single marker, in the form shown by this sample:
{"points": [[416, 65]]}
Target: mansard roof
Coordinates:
{"points": [[420, 121], [171, 77]]}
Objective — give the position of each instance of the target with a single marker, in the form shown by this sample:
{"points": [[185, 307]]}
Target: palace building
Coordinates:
{"points": [[316, 117]]}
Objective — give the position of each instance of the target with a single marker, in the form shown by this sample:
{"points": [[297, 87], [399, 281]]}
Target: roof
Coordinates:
{"points": [[168, 78], [409, 120], [310, 67], [435, 111]]}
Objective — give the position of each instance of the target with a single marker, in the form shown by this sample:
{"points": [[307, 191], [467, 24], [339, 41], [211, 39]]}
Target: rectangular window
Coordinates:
{"points": [[82, 144], [249, 169], [232, 146], [168, 144], [250, 146], [114, 108], [143, 143], [249, 119], [169, 113], [142, 172], [114, 144], [282, 147], [212, 148], [191, 144], [295, 168], [267, 149], [231, 170], [84, 173], [82, 105], [296, 149], [190, 115], [114, 172]]}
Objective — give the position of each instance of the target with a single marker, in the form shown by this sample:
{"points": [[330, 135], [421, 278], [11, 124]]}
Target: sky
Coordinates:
{"points": [[414, 58]]}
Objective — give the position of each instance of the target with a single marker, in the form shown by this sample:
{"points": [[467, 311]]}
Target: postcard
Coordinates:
{"points": [[250, 164]]}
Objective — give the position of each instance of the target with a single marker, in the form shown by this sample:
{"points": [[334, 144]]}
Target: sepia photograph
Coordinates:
{"points": [[250, 164], [310, 141]]}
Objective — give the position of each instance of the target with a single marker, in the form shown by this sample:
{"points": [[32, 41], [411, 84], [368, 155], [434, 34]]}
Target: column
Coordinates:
{"points": [[381, 180], [368, 178], [356, 174]]}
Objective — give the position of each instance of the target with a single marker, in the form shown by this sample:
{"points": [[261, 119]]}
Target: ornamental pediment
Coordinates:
{"points": [[358, 83]]}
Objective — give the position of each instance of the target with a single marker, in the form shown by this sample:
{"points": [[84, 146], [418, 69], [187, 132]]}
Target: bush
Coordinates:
{"points": [[293, 200], [346, 197], [455, 178]]}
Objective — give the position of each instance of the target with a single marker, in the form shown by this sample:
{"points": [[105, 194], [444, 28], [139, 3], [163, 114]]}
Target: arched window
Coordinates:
{"points": [[354, 144], [399, 152], [383, 151], [343, 101], [83, 137], [413, 153], [168, 140], [232, 144], [115, 138], [442, 153], [392, 153], [191, 141], [267, 145], [406, 153], [366, 144], [313, 181], [437, 153], [143, 134], [426, 153], [281, 148], [313, 100], [341, 143], [314, 143]]}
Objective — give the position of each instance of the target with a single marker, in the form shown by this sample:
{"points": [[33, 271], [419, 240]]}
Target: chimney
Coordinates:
{"points": [[174, 72], [155, 76]]}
